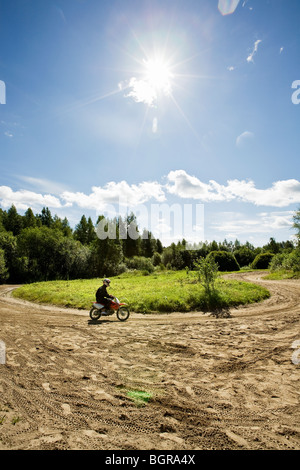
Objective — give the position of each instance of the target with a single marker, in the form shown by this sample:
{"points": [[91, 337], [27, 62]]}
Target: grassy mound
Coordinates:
{"points": [[158, 292]]}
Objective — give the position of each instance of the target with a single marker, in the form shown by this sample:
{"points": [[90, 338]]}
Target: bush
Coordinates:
{"points": [[286, 261], [276, 263], [262, 261], [292, 261], [207, 273], [244, 256], [156, 259], [225, 260], [140, 263]]}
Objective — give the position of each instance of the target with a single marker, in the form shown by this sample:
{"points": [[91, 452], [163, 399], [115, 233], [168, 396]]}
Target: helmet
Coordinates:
{"points": [[106, 282]]}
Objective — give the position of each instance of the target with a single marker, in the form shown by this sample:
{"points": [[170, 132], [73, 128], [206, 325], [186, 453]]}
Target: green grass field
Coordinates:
{"points": [[166, 291], [282, 274]]}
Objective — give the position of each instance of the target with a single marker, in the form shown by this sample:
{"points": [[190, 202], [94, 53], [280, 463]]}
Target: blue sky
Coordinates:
{"points": [[159, 107]]}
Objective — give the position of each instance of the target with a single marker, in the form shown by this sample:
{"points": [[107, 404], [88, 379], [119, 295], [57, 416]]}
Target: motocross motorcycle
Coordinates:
{"points": [[121, 310]]}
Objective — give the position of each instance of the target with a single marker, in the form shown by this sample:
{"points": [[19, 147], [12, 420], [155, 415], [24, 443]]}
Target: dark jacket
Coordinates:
{"points": [[102, 295]]}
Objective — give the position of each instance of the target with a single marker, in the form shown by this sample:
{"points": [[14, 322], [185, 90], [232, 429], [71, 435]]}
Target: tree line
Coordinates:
{"points": [[38, 247]]}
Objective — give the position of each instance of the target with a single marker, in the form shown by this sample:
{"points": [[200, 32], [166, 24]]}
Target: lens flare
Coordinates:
{"points": [[227, 7]]}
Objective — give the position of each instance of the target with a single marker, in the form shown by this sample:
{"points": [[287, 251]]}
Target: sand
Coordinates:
{"points": [[217, 382]]}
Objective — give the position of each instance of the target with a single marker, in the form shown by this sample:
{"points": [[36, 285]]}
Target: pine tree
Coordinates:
{"points": [[81, 231], [91, 232], [13, 221], [29, 219], [46, 217]]}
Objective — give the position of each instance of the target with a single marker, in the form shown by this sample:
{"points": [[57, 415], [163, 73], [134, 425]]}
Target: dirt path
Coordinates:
{"points": [[216, 383]]}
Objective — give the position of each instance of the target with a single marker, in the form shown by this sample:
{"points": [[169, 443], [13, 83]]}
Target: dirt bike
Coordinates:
{"points": [[121, 310]]}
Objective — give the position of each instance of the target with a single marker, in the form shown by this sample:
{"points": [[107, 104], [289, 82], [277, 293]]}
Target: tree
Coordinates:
{"points": [[29, 219], [46, 217], [62, 225], [148, 244], [107, 255], [207, 270], [91, 232], [2, 216], [296, 225], [156, 259], [81, 231], [107, 249], [13, 221], [44, 254], [214, 246], [3, 269], [37, 253], [272, 246], [8, 243], [159, 246], [129, 233]]}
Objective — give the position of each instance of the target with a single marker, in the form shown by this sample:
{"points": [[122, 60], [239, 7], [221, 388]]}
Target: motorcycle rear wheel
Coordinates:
{"points": [[123, 313], [95, 313]]}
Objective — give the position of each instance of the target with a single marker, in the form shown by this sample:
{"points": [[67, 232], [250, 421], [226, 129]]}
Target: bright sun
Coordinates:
{"points": [[158, 75]]}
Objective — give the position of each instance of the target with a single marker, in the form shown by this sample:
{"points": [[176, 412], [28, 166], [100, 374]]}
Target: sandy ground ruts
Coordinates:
{"points": [[217, 383]]}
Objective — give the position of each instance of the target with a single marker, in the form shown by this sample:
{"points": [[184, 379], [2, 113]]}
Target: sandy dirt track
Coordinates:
{"points": [[217, 383]]}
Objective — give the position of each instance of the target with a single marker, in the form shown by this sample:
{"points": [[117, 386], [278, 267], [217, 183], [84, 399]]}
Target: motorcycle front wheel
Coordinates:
{"points": [[95, 313], [123, 313]]}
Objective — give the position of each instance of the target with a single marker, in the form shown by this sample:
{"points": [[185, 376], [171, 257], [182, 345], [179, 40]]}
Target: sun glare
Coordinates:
{"points": [[158, 75]]}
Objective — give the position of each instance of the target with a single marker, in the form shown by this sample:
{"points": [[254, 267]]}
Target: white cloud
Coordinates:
{"points": [[116, 193], [23, 199], [281, 194], [237, 224], [179, 183], [255, 48], [141, 91], [44, 184], [156, 82], [187, 186], [243, 138]]}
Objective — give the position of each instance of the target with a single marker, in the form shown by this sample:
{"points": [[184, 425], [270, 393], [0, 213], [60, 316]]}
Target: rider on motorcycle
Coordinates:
{"points": [[102, 296]]}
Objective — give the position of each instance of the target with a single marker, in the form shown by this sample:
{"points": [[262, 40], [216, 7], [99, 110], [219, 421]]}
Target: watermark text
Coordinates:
{"points": [[163, 221], [296, 94], [296, 353], [2, 92], [2, 352]]}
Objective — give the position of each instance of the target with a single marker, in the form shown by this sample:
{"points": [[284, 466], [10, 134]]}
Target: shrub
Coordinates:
{"points": [[277, 262], [244, 256], [292, 261], [156, 259], [140, 263], [207, 273], [262, 261], [225, 260], [289, 262]]}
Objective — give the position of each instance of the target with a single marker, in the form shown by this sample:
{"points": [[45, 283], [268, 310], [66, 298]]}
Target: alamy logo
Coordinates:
{"points": [[2, 92], [2, 352], [296, 353], [183, 222], [296, 94]]}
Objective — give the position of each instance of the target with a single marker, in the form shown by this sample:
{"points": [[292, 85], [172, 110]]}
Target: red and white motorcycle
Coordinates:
{"points": [[121, 310]]}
